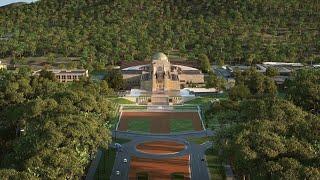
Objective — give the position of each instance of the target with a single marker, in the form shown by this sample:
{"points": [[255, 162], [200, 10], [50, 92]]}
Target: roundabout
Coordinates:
{"points": [[161, 155], [158, 148]]}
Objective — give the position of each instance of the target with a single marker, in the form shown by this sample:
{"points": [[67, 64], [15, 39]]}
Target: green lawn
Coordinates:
{"points": [[139, 125], [186, 106], [181, 125], [206, 99], [199, 140], [105, 166], [121, 101], [215, 164], [141, 107], [199, 100]]}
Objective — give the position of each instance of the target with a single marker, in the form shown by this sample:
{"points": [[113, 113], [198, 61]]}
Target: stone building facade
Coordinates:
{"points": [[63, 75], [161, 76]]}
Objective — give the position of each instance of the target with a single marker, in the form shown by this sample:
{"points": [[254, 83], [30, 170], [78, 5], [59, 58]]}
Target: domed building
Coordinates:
{"points": [[160, 56], [160, 77]]}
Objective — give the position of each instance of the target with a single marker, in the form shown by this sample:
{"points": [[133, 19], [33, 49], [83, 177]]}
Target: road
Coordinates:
{"points": [[119, 165], [190, 134], [198, 167]]}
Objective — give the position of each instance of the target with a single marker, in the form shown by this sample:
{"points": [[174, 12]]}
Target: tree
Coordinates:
{"points": [[214, 81], [13, 174], [270, 87], [51, 58], [272, 72], [258, 84], [239, 92], [65, 124], [204, 63], [48, 75], [115, 80], [304, 89], [220, 62], [267, 138], [225, 35]]}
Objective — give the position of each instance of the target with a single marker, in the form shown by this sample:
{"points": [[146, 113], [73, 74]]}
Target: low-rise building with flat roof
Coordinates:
{"points": [[285, 70], [316, 66], [64, 75]]}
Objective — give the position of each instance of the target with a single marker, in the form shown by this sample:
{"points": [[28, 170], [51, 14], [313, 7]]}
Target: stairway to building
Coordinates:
{"points": [[159, 99]]}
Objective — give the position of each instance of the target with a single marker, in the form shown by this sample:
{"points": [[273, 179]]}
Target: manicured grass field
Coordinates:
{"points": [[215, 164], [191, 107], [139, 125], [200, 100], [181, 125], [140, 107], [105, 166], [121, 101]]}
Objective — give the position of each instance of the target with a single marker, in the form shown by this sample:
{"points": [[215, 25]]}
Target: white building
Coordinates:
{"points": [[3, 66]]}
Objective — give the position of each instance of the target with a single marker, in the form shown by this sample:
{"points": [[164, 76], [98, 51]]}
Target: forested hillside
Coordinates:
{"points": [[248, 31]]}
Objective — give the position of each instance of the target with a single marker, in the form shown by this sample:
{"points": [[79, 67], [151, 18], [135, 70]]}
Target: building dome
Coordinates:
{"points": [[160, 57]]}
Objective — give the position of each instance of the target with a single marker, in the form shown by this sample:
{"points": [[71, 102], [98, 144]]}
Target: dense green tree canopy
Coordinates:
{"points": [[265, 137], [269, 139], [271, 72], [304, 89], [240, 31], [251, 83], [115, 79], [51, 130], [214, 81]]}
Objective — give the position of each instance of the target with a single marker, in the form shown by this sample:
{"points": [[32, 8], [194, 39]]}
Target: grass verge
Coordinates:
{"points": [[105, 166], [200, 100], [198, 140], [181, 125], [215, 167], [134, 107], [121, 141], [139, 125]]}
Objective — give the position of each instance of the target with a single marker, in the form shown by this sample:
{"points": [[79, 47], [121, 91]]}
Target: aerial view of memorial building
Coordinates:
{"points": [[160, 89], [160, 82], [160, 75]]}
